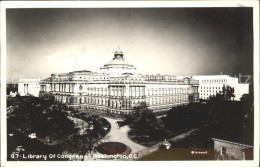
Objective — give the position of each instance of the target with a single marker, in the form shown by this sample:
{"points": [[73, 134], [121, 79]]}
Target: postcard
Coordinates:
{"points": [[130, 83]]}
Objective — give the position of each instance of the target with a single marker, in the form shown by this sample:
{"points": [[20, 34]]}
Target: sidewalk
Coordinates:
{"points": [[117, 134], [155, 147], [182, 136]]}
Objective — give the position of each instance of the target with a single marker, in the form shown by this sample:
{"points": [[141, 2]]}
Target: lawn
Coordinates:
{"points": [[179, 154]]}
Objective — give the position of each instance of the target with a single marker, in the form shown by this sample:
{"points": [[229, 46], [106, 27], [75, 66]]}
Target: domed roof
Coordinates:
{"points": [[118, 61], [118, 64], [118, 51]]}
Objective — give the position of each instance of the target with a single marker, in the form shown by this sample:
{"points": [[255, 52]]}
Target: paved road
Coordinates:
{"points": [[117, 134]]}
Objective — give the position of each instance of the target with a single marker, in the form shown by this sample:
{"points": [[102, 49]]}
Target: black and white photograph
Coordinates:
{"points": [[130, 83]]}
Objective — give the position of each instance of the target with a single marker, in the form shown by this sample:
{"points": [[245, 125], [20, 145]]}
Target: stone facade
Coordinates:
{"points": [[29, 87], [210, 85], [115, 92], [230, 150]]}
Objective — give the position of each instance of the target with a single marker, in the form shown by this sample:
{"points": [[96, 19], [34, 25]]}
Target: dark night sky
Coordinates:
{"points": [[178, 41]]}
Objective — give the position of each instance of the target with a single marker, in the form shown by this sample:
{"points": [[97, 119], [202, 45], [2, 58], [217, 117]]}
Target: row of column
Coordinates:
{"points": [[112, 103], [122, 104], [137, 91], [62, 87], [126, 91], [26, 89], [117, 91]]}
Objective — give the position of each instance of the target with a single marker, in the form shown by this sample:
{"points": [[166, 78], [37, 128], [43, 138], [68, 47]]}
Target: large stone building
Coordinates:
{"points": [[29, 87], [210, 85], [118, 88]]}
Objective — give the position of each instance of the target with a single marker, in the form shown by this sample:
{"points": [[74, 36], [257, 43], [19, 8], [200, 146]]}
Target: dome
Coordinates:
{"points": [[118, 62], [118, 51], [118, 65]]}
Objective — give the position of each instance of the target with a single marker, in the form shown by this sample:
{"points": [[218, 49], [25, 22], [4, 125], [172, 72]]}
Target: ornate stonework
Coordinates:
{"points": [[118, 88]]}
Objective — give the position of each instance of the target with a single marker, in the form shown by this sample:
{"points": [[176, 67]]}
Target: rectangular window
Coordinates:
{"points": [[223, 150]]}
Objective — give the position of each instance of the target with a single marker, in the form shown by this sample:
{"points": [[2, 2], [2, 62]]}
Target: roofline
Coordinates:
{"points": [[226, 141], [211, 76]]}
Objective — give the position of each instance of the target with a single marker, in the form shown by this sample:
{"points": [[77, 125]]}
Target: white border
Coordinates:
{"points": [[129, 4]]}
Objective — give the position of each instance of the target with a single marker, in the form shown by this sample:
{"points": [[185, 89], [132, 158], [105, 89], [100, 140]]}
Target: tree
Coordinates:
{"points": [[177, 118], [11, 87], [217, 97], [228, 92], [80, 144], [143, 118], [247, 101]]}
